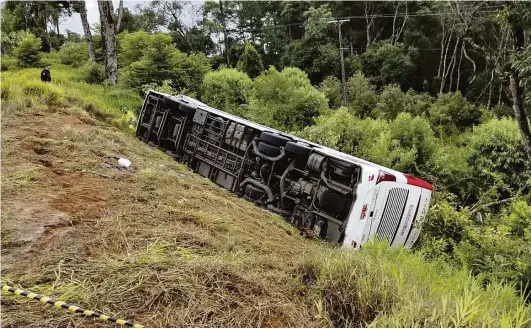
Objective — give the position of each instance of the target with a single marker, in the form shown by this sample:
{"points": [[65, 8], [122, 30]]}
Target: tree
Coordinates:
{"points": [[315, 52], [227, 90], [154, 59], [81, 8], [27, 51], [331, 88], [108, 34], [73, 53], [362, 97], [250, 61], [285, 100], [384, 63], [518, 17], [452, 112], [33, 16]]}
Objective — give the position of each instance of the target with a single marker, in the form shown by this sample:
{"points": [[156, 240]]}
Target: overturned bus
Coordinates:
{"points": [[339, 197]]}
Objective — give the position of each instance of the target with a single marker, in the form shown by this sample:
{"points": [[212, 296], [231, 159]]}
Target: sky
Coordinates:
{"points": [[73, 23]]}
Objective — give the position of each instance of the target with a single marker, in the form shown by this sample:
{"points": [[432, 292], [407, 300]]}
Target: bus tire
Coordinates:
{"points": [[268, 150], [300, 150], [273, 139]]}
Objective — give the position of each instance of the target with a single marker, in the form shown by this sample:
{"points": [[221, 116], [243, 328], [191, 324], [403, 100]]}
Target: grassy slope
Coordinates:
{"points": [[165, 247]]}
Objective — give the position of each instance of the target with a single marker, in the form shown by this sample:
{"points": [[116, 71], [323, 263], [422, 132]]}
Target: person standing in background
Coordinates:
{"points": [[45, 74]]}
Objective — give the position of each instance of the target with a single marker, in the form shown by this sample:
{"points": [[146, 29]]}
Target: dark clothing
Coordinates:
{"points": [[45, 76]]}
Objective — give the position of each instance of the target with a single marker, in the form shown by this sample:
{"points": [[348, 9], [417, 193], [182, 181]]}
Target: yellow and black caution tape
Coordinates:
{"points": [[71, 308]]}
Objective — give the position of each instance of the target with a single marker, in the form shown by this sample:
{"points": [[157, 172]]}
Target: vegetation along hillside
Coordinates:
{"points": [[434, 89]]}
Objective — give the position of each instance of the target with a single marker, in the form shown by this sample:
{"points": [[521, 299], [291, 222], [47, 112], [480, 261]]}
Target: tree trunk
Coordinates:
{"points": [[459, 66], [471, 61], [443, 38], [517, 93], [491, 83], [86, 30], [109, 31], [369, 24], [444, 71], [120, 11], [57, 25], [454, 60], [225, 36], [394, 23], [402, 28]]}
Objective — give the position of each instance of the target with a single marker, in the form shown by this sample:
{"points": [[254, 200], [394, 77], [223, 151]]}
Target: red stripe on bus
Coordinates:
{"points": [[418, 182]]}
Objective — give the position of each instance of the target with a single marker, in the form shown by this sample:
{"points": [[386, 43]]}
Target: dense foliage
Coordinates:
{"points": [[228, 90], [285, 99], [27, 51]]}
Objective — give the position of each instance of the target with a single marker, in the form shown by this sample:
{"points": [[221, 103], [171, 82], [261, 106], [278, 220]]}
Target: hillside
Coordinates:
{"points": [[162, 246]]}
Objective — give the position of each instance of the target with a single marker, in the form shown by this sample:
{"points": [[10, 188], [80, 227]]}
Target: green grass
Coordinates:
{"points": [[166, 247], [24, 84]]}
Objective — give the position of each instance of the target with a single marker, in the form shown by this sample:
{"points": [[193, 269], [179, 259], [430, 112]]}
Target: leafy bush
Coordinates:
{"points": [[227, 90], [10, 41], [403, 144], [285, 100], [250, 61], [331, 88], [132, 46], [498, 160], [27, 52], [391, 102], [444, 228], [451, 112], [415, 138], [448, 170], [74, 53], [53, 57], [8, 63], [45, 93], [361, 95], [162, 61], [499, 252], [384, 63], [94, 73]]}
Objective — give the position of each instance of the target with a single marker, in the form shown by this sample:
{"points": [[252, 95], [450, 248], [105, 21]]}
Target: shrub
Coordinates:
{"points": [[250, 61], [384, 63], [335, 130], [285, 100], [74, 53], [414, 137], [388, 287], [331, 88], [451, 112], [132, 46], [391, 102], [94, 73], [402, 144], [499, 252], [227, 90], [361, 95], [10, 41], [8, 63], [448, 170], [162, 61], [27, 52], [498, 160], [53, 57], [46, 93]]}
